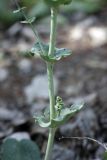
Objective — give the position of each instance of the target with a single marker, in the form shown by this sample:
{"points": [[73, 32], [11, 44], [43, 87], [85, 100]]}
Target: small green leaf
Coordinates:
{"points": [[60, 53], [29, 21], [19, 10], [65, 115], [42, 49], [39, 48], [46, 113], [41, 120], [20, 150]]}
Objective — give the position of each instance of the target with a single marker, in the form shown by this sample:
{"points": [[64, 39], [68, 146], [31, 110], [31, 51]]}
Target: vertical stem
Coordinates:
{"points": [[50, 144], [51, 89], [53, 30], [50, 82]]}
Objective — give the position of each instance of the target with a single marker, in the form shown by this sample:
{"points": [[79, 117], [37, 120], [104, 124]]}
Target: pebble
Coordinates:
{"points": [[86, 122], [25, 65], [23, 46], [6, 114], [20, 119], [88, 22], [3, 74], [89, 99], [89, 33], [19, 136], [73, 89], [14, 29], [28, 33], [78, 31], [102, 95], [15, 116], [61, 153], [39, 88], [98, 35], [38, 107]]}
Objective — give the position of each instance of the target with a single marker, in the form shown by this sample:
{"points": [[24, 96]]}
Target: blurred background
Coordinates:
{"points": [[82, 27]]}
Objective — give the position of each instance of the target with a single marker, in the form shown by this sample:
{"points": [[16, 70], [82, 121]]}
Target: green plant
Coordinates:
{"points": [[58, 114], [19, 150]]}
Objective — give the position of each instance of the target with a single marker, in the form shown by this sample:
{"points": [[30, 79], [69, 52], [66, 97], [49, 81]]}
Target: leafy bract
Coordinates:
{"points": [[60, 53], [42, 49], [65, 115]]}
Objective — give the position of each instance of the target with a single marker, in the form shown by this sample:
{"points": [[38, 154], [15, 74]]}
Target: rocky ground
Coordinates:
{"points": [[80, 77]]}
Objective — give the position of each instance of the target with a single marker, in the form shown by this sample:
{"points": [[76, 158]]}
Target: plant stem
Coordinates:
{"points": [[50, 144], [53, 30], [51, 90], [50, 82]]}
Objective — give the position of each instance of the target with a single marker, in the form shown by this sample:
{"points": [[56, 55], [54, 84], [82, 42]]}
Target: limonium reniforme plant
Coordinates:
{"points": [[58, 113]]}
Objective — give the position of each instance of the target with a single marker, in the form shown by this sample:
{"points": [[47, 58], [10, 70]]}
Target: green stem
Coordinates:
{"points": [[53, 30], [50, 82], [50, 144], [51, 90]]}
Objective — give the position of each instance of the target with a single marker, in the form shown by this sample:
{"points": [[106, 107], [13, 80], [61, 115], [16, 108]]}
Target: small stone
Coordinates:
{"points": [[3, 74], [28, 33], [80, 29], [16, 117], [76, 33], [88, 99], [86, 123], [98, 36], [6, 114], [67, 129], [96, 64], [16, 28], [38, 107], [103, 97], [19, 136], [20, 119], [61, 153], [73, 89], [88, 22], [78, 16], [25, 65], [5, 130], [38, 88], [22, 46], [100, 152]]}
